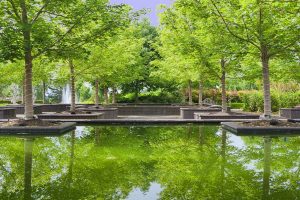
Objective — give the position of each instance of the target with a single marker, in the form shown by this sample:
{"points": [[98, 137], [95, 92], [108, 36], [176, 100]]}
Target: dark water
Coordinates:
{"points": [[137, 163]]}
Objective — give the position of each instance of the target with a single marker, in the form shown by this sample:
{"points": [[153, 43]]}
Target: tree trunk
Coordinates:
{"points": [[200, 97], [28, 146], [105, 93], [114, 91], [201, 136], [72, 80], [266, 81], [136, 94], [97, 136], [97, 93], [267, 167], [44, 92], [28, 62], [190, 93], [71, 164], [223, 161], [23, 90], [223, 83]]}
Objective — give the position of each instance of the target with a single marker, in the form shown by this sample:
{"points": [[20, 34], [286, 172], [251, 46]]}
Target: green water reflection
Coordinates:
{"points": [[186, 162]]}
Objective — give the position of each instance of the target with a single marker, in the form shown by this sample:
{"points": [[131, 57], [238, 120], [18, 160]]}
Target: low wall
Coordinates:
{"points": [[20, 109], [148, 110], [108, 113], [7, 113], [70, 116], [188, 113], [54, 107], [220, 116], [290, 113]]}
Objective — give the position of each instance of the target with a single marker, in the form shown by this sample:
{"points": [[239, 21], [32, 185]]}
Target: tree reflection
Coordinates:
{"points": [[189, 162], [267, 167], [28, 146]]}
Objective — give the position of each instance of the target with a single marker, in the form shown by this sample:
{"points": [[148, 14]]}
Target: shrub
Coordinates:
{"points": [[255, 102], [237, 105], [4, 102], [38, 101]]}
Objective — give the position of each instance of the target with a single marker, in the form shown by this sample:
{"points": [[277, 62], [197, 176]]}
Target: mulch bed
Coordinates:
{"points": [[272, 123]]}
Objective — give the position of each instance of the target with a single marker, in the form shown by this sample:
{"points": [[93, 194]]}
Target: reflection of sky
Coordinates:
{"points": [[236, 141], [148, 4], [153, 193], [239, 144]]}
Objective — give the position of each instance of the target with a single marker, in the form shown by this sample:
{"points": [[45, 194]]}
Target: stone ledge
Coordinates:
{"points": [[108, 113], [71, 116], [240, 130], [146, 121], [231, 115], [53, 130], [188, 113]]}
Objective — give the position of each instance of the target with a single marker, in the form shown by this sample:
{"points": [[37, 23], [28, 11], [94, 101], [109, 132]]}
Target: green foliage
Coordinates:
{"points": [[254, 101], [158, 96], [237, 105]]}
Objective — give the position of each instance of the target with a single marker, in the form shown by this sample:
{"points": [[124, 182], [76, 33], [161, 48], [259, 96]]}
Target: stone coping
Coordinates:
{"points": [[240, 130], [94, 109], [71, 116], [41, 131], [201, 108], [294, 120], [231, 115], [146, 121]]}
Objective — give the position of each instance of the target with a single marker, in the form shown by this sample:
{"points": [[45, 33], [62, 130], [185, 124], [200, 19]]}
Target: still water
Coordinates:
{"points": [[149, 163]]}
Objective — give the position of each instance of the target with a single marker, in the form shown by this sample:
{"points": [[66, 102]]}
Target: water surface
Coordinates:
{"points": [[175, 162]]}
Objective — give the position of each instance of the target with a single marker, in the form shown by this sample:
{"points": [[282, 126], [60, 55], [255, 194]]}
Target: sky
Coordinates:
{"points": [[150, 4]]}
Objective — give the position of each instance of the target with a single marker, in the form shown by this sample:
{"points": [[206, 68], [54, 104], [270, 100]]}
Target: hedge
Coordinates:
{"points": [[254, 102]]}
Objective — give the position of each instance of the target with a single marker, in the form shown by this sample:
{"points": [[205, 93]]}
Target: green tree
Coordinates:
{"points": [[270, 27]]}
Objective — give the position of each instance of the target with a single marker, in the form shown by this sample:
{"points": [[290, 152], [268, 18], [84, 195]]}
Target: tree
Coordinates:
{"points": [[271, 27], [37, 34]]}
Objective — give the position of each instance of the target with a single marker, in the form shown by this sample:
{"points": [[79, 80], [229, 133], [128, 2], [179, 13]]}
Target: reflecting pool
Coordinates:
{"points": [[137, 163]]}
